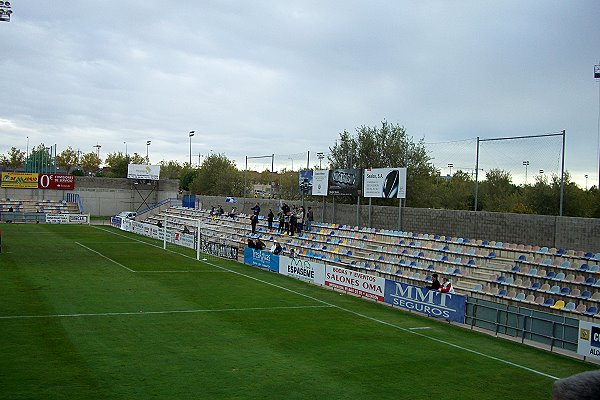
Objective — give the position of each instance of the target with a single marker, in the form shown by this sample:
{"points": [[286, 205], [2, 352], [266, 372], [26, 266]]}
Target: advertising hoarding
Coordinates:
{"points": [[320, 182], [354, 282], [302, 269], [431, 302], [143, 171], [56, 181], [67, 219], [262, 259], [305, 181], [345, 182], [589, 340], [20, 180], [387, 183]]}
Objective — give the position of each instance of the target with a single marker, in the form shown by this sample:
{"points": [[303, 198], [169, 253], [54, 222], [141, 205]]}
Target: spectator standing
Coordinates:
{"points": [[309, 219], [281, 219], [253, 222], [270, 217], [256, 209], [292, 225]]}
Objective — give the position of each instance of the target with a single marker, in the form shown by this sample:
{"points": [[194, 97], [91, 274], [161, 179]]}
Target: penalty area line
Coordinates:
{"points": [[103, 256]]}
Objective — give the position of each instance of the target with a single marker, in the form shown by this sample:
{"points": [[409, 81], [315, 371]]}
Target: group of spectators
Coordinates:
{"points": [[444, 287], [290, 220]]}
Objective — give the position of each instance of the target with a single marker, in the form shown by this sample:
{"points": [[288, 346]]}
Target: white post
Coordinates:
{"points": [[165, 234], [198, 241]]}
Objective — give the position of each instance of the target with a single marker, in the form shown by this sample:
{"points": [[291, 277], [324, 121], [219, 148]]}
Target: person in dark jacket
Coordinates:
{"points": [[435, 283], [270, 217]]}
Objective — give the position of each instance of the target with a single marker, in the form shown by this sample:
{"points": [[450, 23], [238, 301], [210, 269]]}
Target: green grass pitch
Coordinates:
{"points": [[95, 313]]}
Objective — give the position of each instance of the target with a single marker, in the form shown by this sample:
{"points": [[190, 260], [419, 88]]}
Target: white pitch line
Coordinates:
{"points": [[420, 328], [357, 313], [183, 271], [108, 258], [112, 314]]}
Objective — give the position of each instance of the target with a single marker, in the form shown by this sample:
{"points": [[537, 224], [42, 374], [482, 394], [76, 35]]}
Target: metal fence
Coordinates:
{"points": [[555, 331]]}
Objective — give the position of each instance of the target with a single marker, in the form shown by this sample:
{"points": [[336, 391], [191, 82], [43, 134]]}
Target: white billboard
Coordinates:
{"points": [[143, 171], [589, 340], [386, 183], [320, 182], [302, 269]]}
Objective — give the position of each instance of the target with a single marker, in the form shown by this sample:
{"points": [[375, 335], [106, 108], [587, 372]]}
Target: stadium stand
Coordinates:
{"points": [[564, 281]]}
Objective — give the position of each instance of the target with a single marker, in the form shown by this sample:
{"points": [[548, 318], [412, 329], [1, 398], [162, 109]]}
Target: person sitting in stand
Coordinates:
{"points": [[185, 229], [221, 211], [446, 286], [435, 283], [276, 248], [159, 224], [292, 253], [251, 244], [232, 213], [260, 245]]}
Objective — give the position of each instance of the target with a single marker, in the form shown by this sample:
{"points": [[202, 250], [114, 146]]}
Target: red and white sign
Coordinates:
{"points": [[355, 282], [56, 181]]}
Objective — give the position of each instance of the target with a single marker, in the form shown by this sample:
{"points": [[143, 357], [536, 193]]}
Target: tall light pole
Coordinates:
{"points": [[597, 77], [126, 156], [450, 165], [320, 156], [148, 143], [586, 176], [191, 134], [290, 158], [526, 164]]}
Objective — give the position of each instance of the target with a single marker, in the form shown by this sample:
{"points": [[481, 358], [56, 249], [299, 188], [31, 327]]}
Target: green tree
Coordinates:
{"points": [[67, 159], [170, 169], [118, 163], [218, 176], [14, 158], [90, 162], [387, 146], [497, 191], [136, 158]]}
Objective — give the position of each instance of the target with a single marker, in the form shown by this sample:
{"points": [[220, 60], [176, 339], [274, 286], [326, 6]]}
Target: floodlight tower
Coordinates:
{"points": [[97, 146], [148, 143]]}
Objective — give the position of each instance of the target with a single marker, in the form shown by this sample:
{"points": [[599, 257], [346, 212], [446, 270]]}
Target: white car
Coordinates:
{"points": [[127, 214]]}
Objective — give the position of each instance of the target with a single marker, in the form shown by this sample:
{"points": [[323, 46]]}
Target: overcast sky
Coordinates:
{"points": [[261, 77]]}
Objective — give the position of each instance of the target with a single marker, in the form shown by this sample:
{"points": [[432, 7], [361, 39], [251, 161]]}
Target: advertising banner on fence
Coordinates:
{"points": [[302, 269], [262, 259], [320, 182], [354, 282], [305, 181], [220, 250], [67, 218], [430, 302], [387, 183], [142, 171], [182, 239], [19, 180], [589, 340], [56, 181]]}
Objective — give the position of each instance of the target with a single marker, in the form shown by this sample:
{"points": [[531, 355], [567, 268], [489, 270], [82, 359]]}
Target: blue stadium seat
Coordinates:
{"points": [[593, 310]]}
